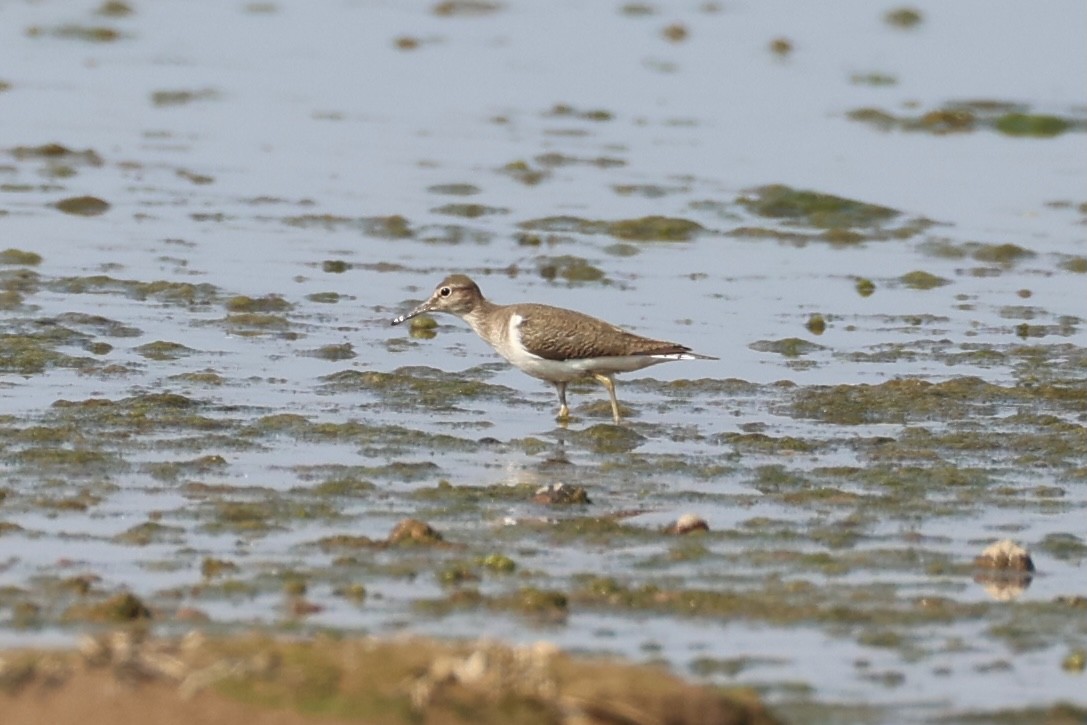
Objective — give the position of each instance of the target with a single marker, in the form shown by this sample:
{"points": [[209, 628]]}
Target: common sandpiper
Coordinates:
{"points": [[551, 343]]}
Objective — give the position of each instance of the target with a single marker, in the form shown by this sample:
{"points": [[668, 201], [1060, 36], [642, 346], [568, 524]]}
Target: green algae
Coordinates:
{"points": [[357, 593], [170, 98], [563, 110], [569, 268], [98, 324], [762, 443], [174, 470], [462, 189], [781, 602], [253, 512], [873, 79], [903, 400], [384, 227], [20, 257], [538, 603], [211, 567], [1011, 119], [1064, 546], [10, 299], [267, 304], [416, 387], [87, 462], [138, 413], [646, 191], [83, 206], [555, 160], [1058, 714], [114, 9], [896, 401], [1075, 661], [921, 280], [608, 438], [456, 575], [1002, 254], [423, 327], [524, 173], [57, 151], [19, 281], [150, 532], [1027, 124], [865, 287], [1078, 265], [655, 229], [465, 8], [73, 31], [326, 298], [904, 17], [622, 249], [454, 234], [333, 353], [346, 542], [597, 531], [642, 229], [167, 292], [348, 485], [813, 208], [469, 497], [29, 355], [335, 266], [242, 517], [498, 563], [816, 324], [161, 350], [533, 603], [788, 347], [469, 211], [248, 324], [118, 609], [200, 377]]}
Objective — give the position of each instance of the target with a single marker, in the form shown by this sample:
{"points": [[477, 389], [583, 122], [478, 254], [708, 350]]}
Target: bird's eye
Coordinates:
{"points": [[445, 292]]}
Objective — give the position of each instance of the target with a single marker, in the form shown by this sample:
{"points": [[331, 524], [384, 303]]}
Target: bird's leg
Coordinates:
{"points": [[564, 412], [609, 383]]}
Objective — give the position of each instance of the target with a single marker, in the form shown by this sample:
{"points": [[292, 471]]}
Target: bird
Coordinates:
{"points": [[551, 343]]}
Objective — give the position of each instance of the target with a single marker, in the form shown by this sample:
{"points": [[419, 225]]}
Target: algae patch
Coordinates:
{"points": [[642, 229]]}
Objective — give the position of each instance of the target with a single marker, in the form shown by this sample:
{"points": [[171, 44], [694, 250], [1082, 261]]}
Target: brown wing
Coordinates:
{"points": [[554, 333]]}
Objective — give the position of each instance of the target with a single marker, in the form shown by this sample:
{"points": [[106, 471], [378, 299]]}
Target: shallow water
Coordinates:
{"points": [[299, 157]]}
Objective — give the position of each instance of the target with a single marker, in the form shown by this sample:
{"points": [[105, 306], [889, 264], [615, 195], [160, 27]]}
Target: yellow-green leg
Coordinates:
{"points": [[609, 383], [564, 412]]}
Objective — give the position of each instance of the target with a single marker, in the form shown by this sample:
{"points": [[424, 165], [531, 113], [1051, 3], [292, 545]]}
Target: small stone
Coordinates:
{"points": [[685, 524], [413, 531], [1004, 569], [557, 494], [1005, 555], [302, 607]]}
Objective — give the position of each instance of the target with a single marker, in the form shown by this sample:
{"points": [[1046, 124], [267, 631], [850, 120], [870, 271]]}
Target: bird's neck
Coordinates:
{"points": [[484, 321]]}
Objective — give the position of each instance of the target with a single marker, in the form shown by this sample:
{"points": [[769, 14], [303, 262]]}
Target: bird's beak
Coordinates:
{"points": [[425, 307]]}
